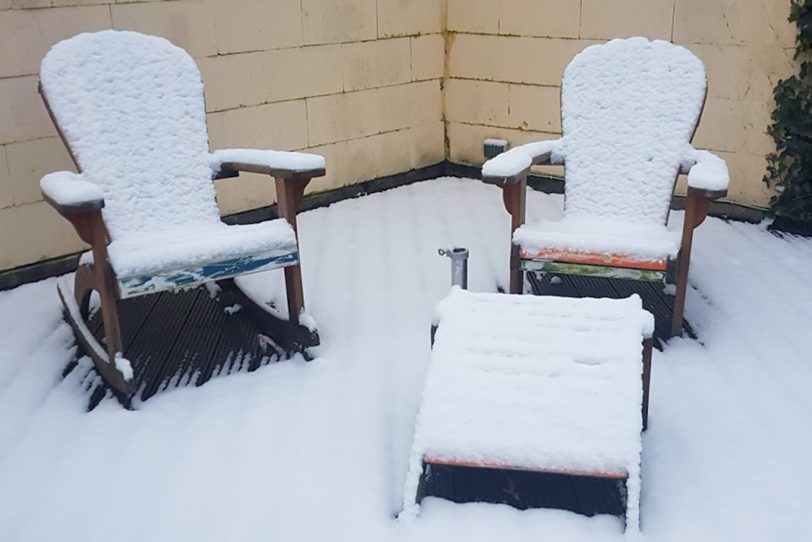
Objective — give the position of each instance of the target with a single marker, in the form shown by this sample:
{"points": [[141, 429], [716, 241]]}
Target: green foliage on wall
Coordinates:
{"points": [[789, 168]]}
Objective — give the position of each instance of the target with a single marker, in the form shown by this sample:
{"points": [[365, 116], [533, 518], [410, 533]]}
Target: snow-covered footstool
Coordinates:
{"points": [[534, 383]]}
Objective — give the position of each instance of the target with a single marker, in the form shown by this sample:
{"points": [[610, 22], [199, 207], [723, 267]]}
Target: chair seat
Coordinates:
{"points": [[196, 253], [598, 242]]}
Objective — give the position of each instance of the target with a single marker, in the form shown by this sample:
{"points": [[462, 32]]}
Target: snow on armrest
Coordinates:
{"points": [[276, 163], [509, 166], [68, 193], [707, 172]]}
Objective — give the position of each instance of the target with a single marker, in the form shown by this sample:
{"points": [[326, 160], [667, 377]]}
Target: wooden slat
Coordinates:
{"points": [[177, 339], [149, 351], [654, 299], [523, 489]]}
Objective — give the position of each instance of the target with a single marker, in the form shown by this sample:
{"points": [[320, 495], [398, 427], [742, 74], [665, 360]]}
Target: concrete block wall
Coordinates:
{"points": [[381, 86], [358, 81], [506, 59]]}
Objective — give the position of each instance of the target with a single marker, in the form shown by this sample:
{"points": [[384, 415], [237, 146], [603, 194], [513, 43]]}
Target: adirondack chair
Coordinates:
{"points": [[629, 110], [130, 110]]}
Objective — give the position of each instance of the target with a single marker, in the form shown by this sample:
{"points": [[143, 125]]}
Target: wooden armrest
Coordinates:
{"points": [[697, 204], [66, 192], [706, 193], [707, 174], [514, 165], [278, 164], [232, 169]]}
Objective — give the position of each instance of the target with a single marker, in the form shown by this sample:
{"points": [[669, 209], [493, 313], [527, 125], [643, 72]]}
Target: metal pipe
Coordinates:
{"points": [[459, 265]]}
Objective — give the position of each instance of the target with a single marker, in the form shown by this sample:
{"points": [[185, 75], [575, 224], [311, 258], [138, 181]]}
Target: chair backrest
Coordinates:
{"points": [[629, 109], [130, 107]]}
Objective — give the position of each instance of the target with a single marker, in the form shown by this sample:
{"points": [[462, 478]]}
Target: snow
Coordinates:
{"points": [[320, 450], [131, 107], [535, 383], [124, 367], [628, 108], [520, 158], [645, 241], [707, 172], [496, 142], [231, 309], [68, 189], [295, 161], [173, 248]]}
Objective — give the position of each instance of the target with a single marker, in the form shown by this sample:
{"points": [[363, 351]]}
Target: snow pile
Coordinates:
{"points": [[707, 171], [68, 189], [520, 158], [535, 383], [629, 108], [294, 161], [644, 241]]}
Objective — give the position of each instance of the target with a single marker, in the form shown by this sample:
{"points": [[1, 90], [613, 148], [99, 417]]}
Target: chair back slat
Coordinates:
{"points": [[131, 109], [629, 109]]}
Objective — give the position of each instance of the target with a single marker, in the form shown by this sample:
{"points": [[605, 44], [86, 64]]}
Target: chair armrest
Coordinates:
{"points": [[513, 165], [279, 164], [708, 176], [69, 194]]}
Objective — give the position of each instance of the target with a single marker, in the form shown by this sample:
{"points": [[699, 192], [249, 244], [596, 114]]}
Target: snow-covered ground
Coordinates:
{"points": [[318, 451]]}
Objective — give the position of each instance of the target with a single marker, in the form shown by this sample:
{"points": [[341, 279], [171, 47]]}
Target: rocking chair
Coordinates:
{"points": [[130, 110], [629, 110]]}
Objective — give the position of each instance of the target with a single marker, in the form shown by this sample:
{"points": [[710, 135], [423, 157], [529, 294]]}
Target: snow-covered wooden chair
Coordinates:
{"points": [[629, 109], [130, 109]]}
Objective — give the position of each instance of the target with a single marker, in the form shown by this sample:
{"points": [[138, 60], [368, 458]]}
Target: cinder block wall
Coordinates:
{"points": [[376, 85], [358, 81], [506, 59]]}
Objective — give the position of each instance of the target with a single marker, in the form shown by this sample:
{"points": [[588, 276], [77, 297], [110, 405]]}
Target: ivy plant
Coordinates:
{"points": [[789, 168]]}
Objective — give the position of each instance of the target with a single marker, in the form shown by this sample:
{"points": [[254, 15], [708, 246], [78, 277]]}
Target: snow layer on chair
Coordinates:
{"points": [[520, 158], [295, 161], [629, 108], [69, 189], [131, 108], [646, 241], [536, 383], [709, 172], [189, 246]]}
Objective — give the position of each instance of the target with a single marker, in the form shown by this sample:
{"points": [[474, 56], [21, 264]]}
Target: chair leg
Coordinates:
{"points": [[647, 344], [289, 194], [514, 197], [516, 273], [294, 291], [112, 329], [679, 297], [696, 209]]}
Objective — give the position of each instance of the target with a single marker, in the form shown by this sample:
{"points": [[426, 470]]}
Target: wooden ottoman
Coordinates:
{"points": [[536, 383]]}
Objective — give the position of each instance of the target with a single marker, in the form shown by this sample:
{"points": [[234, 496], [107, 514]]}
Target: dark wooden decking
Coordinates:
{"points": [[180, 339], [525, 490], [654, 299]]}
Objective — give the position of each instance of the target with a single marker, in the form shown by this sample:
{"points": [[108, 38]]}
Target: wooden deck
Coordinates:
{"points": [[180, 339], [654, 299]]}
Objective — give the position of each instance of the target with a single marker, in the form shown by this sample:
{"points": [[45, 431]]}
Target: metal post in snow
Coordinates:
{"points": [[459, 265]]}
